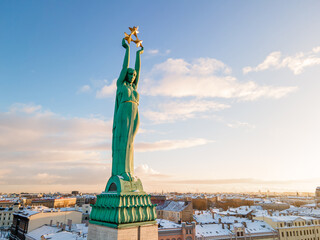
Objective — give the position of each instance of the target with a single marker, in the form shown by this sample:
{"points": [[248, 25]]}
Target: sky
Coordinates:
{"points": [[228, 94]]}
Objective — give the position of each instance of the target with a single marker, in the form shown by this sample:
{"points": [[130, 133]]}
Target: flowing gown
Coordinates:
{"points": [[126, 124]]}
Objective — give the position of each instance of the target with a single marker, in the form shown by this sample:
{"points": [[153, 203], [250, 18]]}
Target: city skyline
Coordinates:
{"points": [[236, 112]]}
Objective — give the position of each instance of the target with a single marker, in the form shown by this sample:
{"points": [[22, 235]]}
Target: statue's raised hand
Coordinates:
{"points": [[140, 51], [124, 44]]}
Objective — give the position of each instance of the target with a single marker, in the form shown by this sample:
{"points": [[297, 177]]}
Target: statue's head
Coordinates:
{"points": [[131, 75]]}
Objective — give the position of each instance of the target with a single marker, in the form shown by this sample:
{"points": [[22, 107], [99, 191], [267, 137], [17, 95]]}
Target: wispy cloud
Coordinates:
{"points": [[181, 110], [296, 63], [108, 90], [165, 145], [84, 89], [205, 77], [38, 148], [157, 52], [238, 124]]}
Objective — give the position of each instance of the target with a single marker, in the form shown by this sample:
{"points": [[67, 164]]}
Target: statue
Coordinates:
{"points": [[126, 116], [124, 203]]}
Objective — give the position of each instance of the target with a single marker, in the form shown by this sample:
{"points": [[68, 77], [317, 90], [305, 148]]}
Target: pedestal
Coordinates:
{"points": [[141, 232], [123, 211]]}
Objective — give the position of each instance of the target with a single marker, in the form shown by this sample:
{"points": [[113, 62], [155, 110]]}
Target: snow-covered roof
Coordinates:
{"points": [[64, 236], [290, 218], [258, 227], [27, 212], [208, 230], [173, 206], [203, 217], [38, 232], [163, 223]]}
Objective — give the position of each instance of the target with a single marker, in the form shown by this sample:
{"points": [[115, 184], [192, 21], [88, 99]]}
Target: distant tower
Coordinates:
{"points": [[317, 196]]}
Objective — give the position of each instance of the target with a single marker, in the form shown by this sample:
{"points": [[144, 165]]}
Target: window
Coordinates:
{"points": [[282, 234]]}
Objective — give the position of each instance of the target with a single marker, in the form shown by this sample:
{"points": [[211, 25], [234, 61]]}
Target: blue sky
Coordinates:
{"points": [[229, 90]]}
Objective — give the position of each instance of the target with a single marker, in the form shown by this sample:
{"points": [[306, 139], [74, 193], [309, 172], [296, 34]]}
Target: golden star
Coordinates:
{"points": [[138, 42], [128, 37], [134, 30]]}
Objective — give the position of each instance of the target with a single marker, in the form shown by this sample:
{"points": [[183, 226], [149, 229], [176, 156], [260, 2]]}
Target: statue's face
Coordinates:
{"points": [[131, 74]]}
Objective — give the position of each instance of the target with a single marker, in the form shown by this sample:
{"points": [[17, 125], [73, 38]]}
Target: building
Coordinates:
{"points": [[6, 216], [54, 202], [294, 227], [158, 199], [200, 203], [85, 199], [168, 230], [245, 230], [6, 203], [317, 196], [27, 220], [175, 211], [268, 205], [73, 231]]}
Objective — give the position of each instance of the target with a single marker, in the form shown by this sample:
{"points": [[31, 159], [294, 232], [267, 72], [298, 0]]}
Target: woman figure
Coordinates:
{"points": [[126, 117]]}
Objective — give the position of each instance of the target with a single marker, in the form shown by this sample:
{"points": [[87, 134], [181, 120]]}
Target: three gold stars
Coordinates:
{"points": [[134, 31]]}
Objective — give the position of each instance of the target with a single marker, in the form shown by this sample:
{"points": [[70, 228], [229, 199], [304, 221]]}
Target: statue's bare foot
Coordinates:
{"points": [[127, 176]]}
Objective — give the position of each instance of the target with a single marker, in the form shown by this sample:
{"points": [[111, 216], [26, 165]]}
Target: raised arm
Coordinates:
{"points": [[137, 67], [125, 63]]}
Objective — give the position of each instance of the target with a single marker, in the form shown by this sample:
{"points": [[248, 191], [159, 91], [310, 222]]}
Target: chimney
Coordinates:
{"points": [[222, 225], [51, 222], [219, 220], [244, 224], [58, 225], [63, 227]]}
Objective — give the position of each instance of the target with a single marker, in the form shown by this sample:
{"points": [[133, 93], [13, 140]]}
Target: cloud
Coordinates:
{"points": [[37, 148], [272, 60], [238, 124], [204, 77], [25, 108], [153, 51], [296, 63], [107, 90], [84, 89], [165, 145], [182, 110], [145, 170], [157, 52]]}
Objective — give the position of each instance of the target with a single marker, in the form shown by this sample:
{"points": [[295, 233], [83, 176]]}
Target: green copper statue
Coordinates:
{"points": [[124, 203], [126, 117]]}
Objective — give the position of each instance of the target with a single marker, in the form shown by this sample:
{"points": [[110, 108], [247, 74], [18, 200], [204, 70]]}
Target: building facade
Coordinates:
{"points": [[294, 227], [54, 202], [185, 232], [177, 212], [27, 220], [317, 196]]}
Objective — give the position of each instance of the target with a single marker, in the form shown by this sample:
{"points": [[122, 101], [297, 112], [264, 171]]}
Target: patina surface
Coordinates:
{"points": [[124, 203]]}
